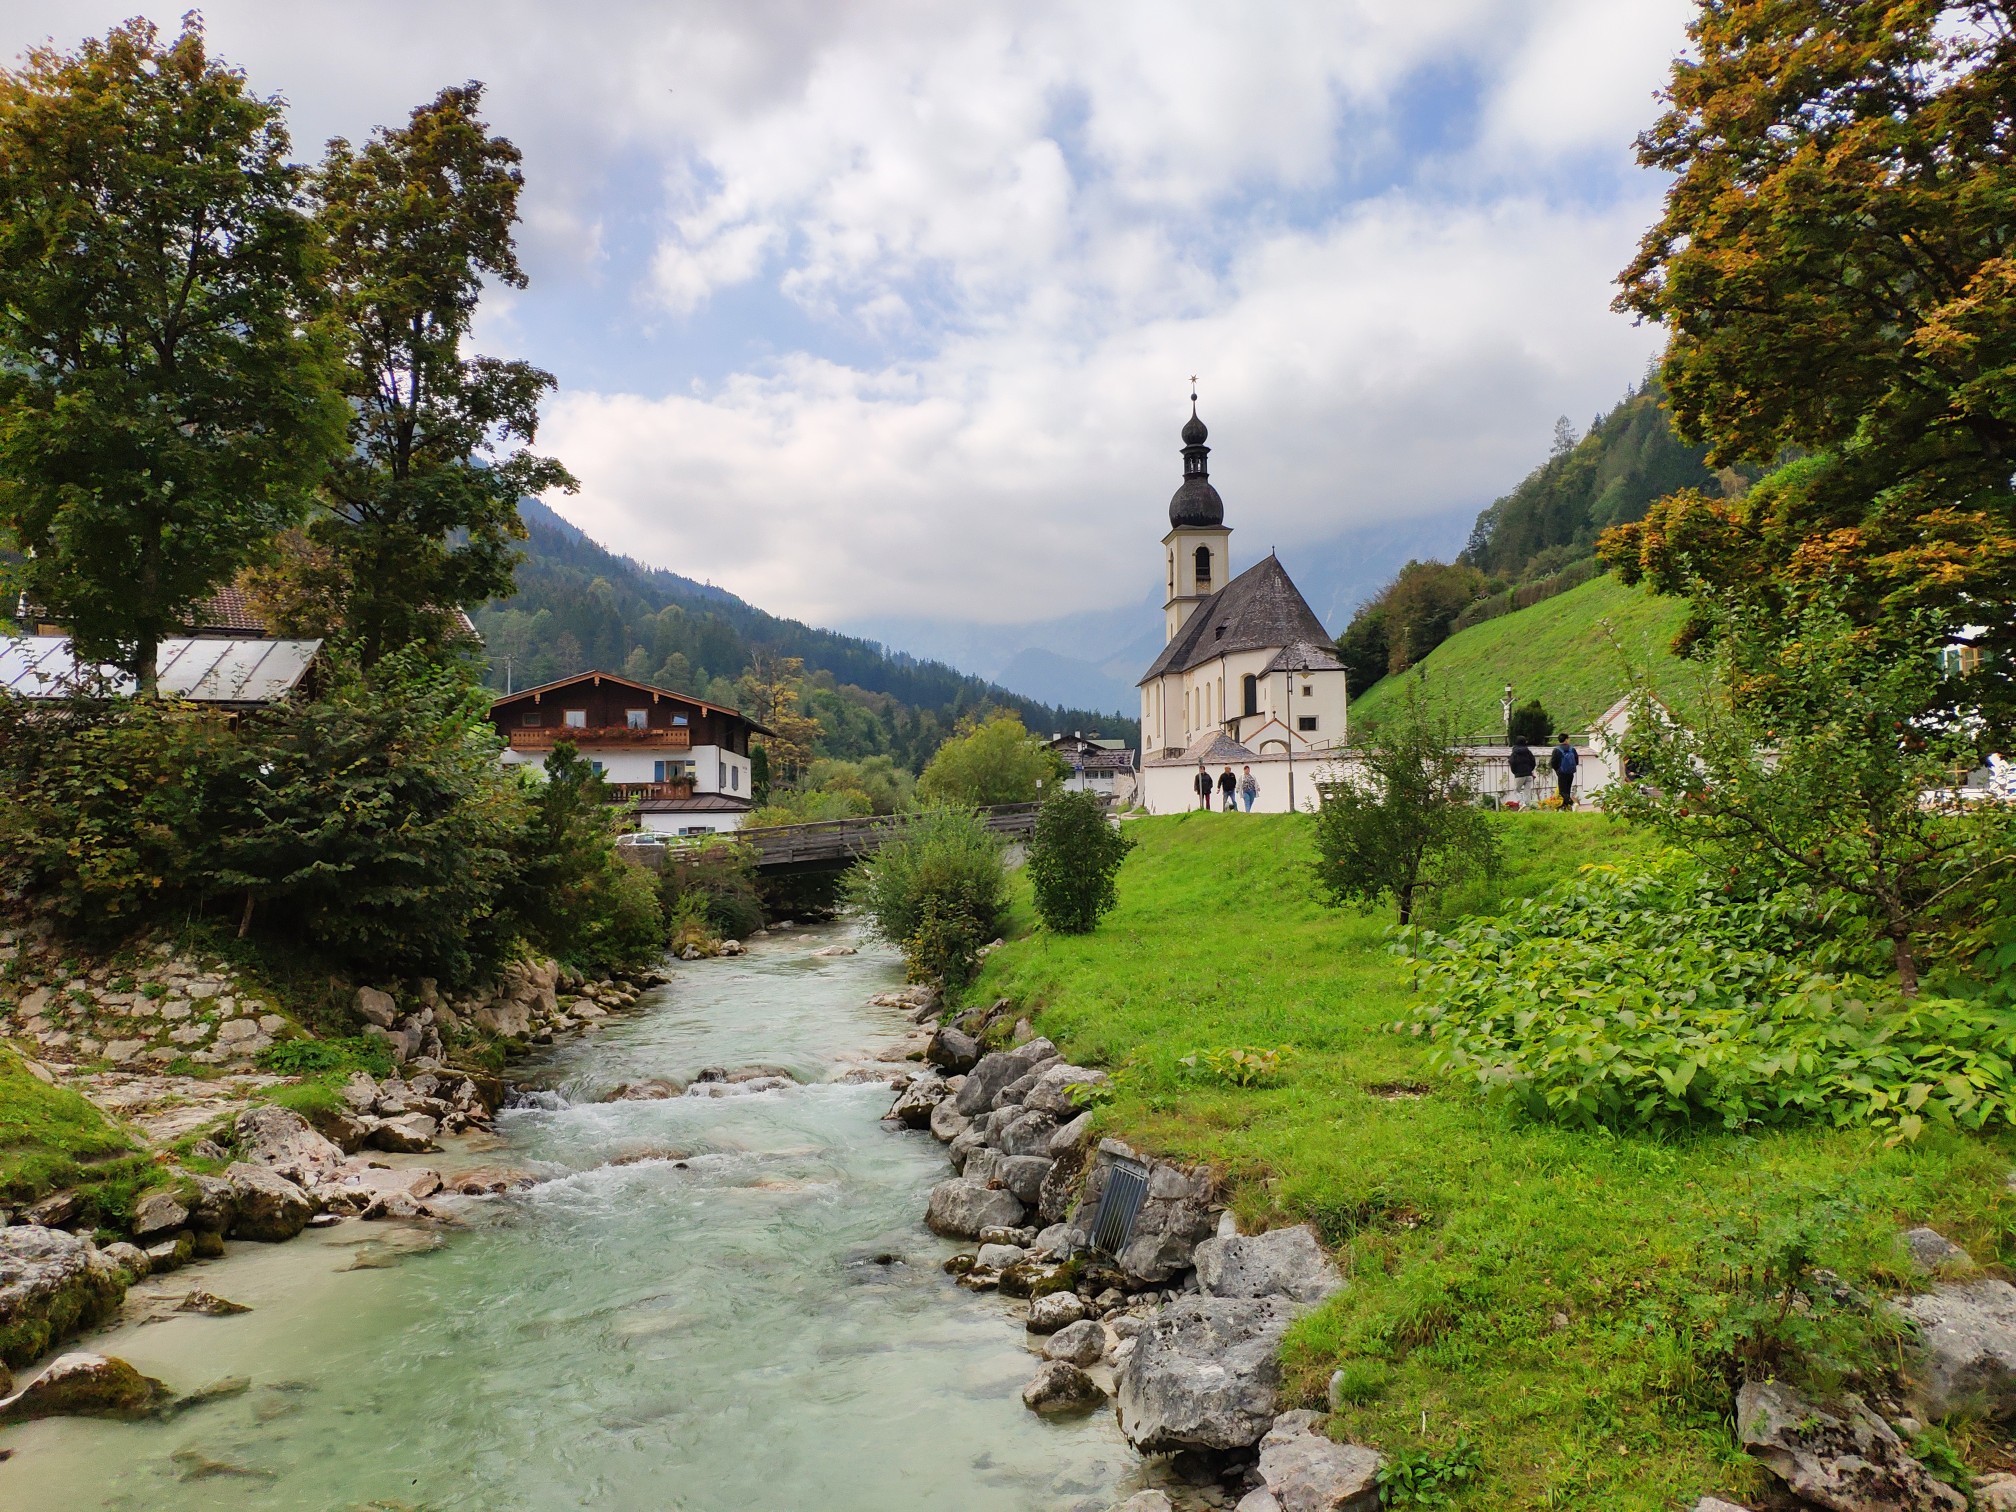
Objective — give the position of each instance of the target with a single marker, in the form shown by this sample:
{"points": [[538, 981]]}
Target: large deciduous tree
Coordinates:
{"points": [[165, 398], [423, 511], [1836, 269]]}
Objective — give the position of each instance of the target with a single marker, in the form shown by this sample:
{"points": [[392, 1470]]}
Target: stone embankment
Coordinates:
{"points": [[166, 1047], [1180, 1329]]}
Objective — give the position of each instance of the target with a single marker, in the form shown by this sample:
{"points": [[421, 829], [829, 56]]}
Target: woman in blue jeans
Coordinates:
{"points": [[1249, 788]]}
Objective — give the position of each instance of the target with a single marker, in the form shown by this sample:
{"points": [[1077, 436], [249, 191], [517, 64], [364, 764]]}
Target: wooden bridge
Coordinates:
{"points": [[834, 843]]}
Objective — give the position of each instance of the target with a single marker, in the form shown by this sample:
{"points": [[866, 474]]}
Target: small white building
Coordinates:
{"points": [[1097, 764], [1245, 659]]}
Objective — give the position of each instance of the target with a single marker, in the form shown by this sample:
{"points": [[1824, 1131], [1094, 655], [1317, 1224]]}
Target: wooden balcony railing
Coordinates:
{"points": [[542, 739], [633, 792]]}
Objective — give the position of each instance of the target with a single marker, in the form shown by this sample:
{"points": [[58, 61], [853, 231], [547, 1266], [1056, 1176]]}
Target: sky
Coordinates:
{"points": [[868, 309]]}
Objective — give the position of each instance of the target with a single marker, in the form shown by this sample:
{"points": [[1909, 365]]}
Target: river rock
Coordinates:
{"points": [[1062, 1090], [1932, 1252], [953, 1050], [270, 1207], [1070, 1138], [1148, 1501], [1176, 1214], [281, 1140], [1080, 1343], [209, 1304], [131, 1260], [1027, 1133], [52, 1285], [947, 1122], [1716, 1504], [344, 1129], [1204, 1374], [213, 1205], [960, 1208], [1060, 1388], [1305, 1471], [998, 1257], [1023, 1175], [159, 1214], [1283, 1262], [56, 1210], [1259, 1499], [1966, 1354], [171, 1254], [1992, 1493], [1056, 1311], [84, 1385], [965, 1146], [408, 1134], [1845, 1462], [915, 1104], [989, 1075], [376, 1007]]}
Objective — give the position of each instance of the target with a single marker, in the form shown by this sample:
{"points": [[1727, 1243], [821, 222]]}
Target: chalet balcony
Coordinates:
{"points": [[543, 738], [637, 792]]}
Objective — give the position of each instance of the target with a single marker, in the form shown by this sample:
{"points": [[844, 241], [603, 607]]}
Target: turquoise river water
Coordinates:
{"points": [[707, 1328]]}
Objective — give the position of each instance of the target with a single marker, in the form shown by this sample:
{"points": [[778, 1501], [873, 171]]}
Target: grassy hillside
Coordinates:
{"points": [[50, 1137], [1547, 1295], [1570, 652]]}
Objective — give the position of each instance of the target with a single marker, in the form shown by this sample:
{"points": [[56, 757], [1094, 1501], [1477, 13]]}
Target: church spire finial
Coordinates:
{"points": [[1196, 502]]}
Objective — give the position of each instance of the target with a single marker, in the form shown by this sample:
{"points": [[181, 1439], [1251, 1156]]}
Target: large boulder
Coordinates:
{"points": [[915, 1103], [407, 1134], [1054, 1311], [953, 1051], [1063, 1090], [1966, 1355], [960, 1208], [1081, 1343], [212, 1206], [270, 1207], [989, 1075], [1027, 1133], [1024, 1175], [281, 1140], [52, 1285], [1283, 1262], [1305, 1471], [947, 1122], [1175, 1215], [84, 1385], [160, 1214], [1061, 1388], [1205, 1374], [376, 1007], [1846, 1461]]}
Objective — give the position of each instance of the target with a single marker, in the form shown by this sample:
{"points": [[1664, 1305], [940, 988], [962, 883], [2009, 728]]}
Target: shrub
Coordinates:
{"points": [[1252, 1067], [997, 761], [311, 1057], [1531, 723], [936, 890], [1649, 1000], [721, 875], [1074, 859]]}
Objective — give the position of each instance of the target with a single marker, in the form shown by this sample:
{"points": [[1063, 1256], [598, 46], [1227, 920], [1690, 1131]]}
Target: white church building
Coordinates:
{"points": [[1248, 677]]}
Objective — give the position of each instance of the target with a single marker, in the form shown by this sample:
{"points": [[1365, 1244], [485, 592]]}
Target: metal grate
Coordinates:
{"points": [[1119, 1205]]}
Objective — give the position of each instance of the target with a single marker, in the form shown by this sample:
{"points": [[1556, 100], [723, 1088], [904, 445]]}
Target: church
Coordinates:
{"points": [[1248, 676]]}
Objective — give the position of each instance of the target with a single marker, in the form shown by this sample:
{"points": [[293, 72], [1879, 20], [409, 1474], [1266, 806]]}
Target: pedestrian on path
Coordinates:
{"points": [[1562, 762], [1523, 765], [1249, 788], [1201, 785], [1227, 786]]}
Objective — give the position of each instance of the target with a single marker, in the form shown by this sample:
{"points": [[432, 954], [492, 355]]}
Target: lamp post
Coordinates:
{"points": [[1288, 676]]}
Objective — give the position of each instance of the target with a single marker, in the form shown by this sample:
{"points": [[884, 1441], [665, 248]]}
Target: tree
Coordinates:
{"points": [[935, 889], [1833, 267], [1074, 859], [1531, 723], [1407, 825], [1812, 764], [1364, 649], [994, 761], [423, 509], [166, 401], [769, 693]]}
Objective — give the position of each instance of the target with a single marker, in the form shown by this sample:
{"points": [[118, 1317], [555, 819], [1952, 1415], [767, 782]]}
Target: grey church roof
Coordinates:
{"points": [[1259, 608], [1305, 657]]}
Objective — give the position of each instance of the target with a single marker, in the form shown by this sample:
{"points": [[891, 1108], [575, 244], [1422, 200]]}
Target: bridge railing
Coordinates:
{"points": [[839, 839]]}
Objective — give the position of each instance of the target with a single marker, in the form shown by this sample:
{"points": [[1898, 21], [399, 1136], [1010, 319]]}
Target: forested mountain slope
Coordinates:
{"points": [[578, 606]]}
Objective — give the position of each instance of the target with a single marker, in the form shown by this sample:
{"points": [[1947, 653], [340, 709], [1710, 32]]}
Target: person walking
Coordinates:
{"points": [[1227, 786], [1562, 762], [1523, 764], [1201, 785], [1249, 788]]}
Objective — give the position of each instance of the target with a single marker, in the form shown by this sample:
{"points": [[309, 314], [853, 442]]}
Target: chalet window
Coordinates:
{"points": [[575, 719], [636, 719], [679, 720], [1249, 688], [1203, 565], [595, 764], [530, 719], [720, 775], [735, 778], [1305, 722]]}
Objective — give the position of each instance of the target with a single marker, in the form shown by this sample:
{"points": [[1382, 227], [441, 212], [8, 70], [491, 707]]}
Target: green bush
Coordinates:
{"points": [[1649, 1000], [721, 875], [1074, 859], [937, 891], [311, 1057], [1532, 724]]}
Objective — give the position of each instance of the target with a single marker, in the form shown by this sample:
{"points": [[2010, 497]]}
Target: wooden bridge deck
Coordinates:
{"points": [[838, 842]]}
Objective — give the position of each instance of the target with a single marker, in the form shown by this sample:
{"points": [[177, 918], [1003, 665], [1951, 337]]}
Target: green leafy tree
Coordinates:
{"points": [[994, 761], [423, 510], [1364, 649], [1074, 861], [1833, 269], [1812, 764], [1406, 825], [166, 401]]}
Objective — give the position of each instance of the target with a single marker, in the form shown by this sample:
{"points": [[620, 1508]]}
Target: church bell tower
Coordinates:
{"points": [[1196, 552]]}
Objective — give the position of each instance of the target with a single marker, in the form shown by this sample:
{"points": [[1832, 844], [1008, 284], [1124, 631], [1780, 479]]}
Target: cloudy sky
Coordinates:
{"points": [[865, 308]]}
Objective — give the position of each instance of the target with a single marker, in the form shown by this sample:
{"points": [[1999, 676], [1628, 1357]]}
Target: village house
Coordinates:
{"points": [[1248, 676], [1097, 764], [682, 762]]}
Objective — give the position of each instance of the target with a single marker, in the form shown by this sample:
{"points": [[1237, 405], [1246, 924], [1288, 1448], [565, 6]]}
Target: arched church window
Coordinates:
{"points": [[1249, 687], [1203, 565]]}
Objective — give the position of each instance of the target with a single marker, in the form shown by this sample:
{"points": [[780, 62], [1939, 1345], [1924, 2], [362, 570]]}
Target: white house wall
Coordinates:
{"points": [[715, 769]]}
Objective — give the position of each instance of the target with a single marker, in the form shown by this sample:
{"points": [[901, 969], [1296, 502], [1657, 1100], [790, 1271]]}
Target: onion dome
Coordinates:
{"points": [[1196, 503]]}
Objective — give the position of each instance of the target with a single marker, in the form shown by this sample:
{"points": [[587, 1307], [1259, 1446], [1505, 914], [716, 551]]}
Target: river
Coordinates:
{"points": [[752, 1316]]}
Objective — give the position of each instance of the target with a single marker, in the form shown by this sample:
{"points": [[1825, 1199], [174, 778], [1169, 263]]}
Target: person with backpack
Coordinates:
{"points": [[1523, 765], [1562, 762], [1227, 786], [1201, 786]]}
